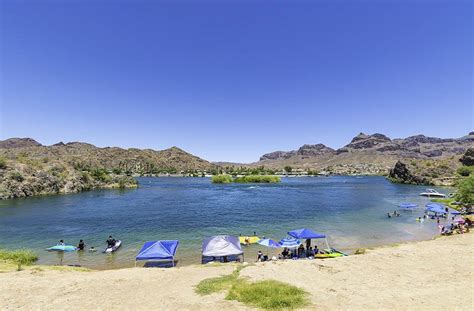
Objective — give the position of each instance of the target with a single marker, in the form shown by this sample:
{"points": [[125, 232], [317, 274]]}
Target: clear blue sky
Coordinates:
{"points": [[231, 81]]}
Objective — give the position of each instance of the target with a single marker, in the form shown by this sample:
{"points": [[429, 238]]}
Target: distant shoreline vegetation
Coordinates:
{"points": [[227, 179]]}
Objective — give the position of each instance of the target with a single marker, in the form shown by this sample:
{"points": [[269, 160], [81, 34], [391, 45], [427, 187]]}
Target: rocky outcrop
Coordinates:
{"points": [[401, 174], [18, 180], [11, 143], [468, 157]]}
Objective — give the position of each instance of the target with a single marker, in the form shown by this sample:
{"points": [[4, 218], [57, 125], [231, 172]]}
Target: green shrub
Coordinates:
{"points": [[3, 163], [465, 170], [17, 176], [288, 169], [258, 179], [20, 257], [100, 174], [269, 295], [222, 179]]}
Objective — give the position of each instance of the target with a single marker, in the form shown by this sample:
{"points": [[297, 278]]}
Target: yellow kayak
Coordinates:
{"points": [[330, 253], [248, 239]]}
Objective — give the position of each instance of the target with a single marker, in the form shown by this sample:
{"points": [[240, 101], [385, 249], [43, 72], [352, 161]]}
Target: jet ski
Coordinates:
{"points": [[112, 249]]}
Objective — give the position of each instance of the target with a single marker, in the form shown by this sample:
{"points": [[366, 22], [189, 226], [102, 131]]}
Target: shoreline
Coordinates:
{"points": [[405, 276]]}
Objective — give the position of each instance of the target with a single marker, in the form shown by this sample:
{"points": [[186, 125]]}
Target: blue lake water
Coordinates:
{"points": [[350, 210]]}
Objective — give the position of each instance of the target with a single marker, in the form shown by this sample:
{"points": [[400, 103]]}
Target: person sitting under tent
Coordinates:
{"points": [[300, 251], [310, 252], [285, 253], [316, 250]]}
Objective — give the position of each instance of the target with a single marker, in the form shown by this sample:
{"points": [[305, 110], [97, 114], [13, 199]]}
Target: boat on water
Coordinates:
{"points": [[114, 248], [432, 193]]}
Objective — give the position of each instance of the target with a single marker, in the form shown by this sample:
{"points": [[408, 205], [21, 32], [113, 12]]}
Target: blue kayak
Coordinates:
{"points": [[62, 248]]}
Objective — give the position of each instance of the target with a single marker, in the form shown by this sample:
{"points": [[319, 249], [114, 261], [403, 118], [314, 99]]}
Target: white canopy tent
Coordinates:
{"points": [[221, 246]]}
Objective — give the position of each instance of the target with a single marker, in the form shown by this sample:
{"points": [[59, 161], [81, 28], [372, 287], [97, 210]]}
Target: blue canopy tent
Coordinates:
{"points": [[408, 206], [308, 235], [436, 208], [158, 251]]}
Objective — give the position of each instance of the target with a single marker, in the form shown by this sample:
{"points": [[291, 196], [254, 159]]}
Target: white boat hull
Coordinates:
{"points": [[436, 195]]}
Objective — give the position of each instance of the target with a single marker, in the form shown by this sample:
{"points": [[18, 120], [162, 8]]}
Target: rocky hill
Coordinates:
{"points": [[29, 168], [18, 143], [369, 154]]}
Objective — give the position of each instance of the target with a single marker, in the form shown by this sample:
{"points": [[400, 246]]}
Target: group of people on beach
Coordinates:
{"points": [[293, 253], [459, 228]]}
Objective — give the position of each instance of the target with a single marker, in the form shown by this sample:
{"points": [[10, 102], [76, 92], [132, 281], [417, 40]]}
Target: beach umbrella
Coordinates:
{"points": [[407, 205], [269, 243], [459, 220], [290, 243]]}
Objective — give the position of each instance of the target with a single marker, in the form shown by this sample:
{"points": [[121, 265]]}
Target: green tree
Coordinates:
{"points": [[465, 192], [288, 169]]}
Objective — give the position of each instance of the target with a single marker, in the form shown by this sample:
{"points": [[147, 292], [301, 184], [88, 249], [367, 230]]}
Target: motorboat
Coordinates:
{"points": [[432, 193]]}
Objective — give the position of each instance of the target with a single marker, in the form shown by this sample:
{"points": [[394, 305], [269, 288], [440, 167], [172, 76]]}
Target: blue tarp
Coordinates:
{"points": [[436, 208], [306, 234], [407, 205], [158, 250]]}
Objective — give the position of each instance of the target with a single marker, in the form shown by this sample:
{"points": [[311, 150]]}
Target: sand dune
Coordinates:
{"points": [[429, 275]]}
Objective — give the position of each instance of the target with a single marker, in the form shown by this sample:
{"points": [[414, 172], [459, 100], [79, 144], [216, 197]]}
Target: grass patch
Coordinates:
{"points": [[19, 257], [227, 179], [222, 179], [214, 285], [269, 295], [258, 179]]}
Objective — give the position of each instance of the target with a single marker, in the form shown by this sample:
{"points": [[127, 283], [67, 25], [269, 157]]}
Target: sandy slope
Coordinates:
{"points": [[431, 275]]}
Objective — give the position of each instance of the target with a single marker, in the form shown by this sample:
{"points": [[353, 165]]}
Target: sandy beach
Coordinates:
{"points": [[428, 275]]}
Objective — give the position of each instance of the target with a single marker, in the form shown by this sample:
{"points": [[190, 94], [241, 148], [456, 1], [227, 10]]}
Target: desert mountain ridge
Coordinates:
{"points": [[415, 146]]}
